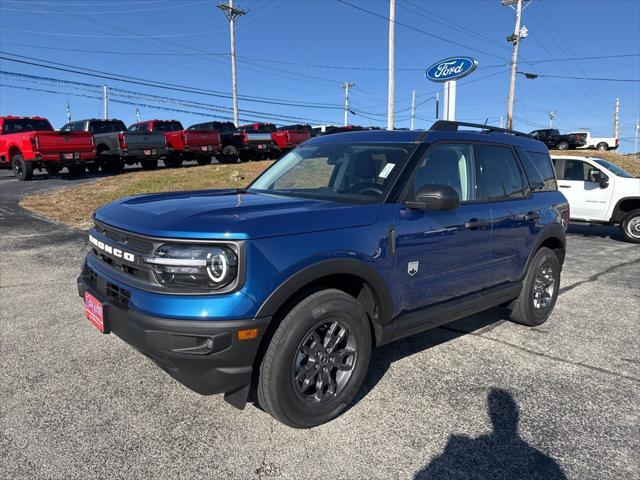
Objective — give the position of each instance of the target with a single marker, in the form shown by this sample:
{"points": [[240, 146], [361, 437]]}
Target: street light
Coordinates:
{"points": [[529, 75]]}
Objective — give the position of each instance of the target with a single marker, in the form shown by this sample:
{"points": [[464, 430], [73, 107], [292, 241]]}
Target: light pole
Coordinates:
{"points": [[346, 86], [232, 13], [518, 33], [391, 99]]}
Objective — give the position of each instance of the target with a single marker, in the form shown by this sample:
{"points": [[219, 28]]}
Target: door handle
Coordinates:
{"points": [[565, 186], [531, 216], [475, 223]]}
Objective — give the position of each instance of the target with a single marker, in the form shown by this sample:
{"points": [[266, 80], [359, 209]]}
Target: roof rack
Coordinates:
{"points": [[452, 126]]}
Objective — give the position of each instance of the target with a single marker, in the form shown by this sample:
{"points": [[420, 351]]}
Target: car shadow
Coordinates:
{"points": [[384, 356], [500, 454], [595, 231]]}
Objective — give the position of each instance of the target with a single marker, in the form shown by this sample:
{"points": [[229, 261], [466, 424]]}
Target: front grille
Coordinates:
{"points": [[110, 291], [125, 238], [118, 294]]}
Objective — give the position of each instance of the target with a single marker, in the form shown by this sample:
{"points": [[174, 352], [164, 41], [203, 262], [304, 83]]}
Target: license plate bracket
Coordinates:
{"points": [[94, 311]]}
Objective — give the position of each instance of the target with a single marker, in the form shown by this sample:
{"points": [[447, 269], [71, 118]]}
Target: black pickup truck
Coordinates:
{"points": [[116, 146], [554, 140]]}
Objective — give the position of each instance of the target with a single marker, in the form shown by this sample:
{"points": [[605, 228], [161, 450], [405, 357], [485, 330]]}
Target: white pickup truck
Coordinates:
{"points": [[599, 191], [599, 143]]}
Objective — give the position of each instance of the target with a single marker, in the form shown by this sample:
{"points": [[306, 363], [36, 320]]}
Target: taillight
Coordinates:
{"points": [[93, 142], [244, 138], [122, 141], [184, 137], [35, 143]]}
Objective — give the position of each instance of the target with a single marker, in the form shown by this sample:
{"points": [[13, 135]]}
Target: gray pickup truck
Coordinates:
{"points": [[116, 146]]}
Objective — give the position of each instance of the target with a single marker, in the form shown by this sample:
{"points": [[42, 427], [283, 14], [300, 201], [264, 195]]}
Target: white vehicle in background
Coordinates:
{"points": [[599, 191], [599, 143]]}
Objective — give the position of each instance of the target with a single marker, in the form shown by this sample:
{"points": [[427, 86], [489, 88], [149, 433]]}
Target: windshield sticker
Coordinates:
{"points": [[386, 170]]}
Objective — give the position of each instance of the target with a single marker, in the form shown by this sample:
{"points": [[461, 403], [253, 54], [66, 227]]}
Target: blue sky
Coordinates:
{"points": [[296, 51]]}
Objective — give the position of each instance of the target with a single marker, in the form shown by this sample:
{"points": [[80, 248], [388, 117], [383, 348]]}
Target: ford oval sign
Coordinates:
{"points": [[451, 69]]}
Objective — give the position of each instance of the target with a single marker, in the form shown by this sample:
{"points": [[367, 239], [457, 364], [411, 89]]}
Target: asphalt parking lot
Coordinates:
{"points": [[479, 398]]}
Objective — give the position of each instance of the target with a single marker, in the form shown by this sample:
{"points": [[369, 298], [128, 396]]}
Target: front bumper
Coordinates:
{"points": [[204, 355]]}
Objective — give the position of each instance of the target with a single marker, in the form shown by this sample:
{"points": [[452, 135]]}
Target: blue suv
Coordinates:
{"points": [[348, 242]]}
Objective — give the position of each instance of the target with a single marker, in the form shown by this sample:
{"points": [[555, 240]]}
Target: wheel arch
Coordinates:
{"points": [[551, 237], [624, 206], [13, 150]]}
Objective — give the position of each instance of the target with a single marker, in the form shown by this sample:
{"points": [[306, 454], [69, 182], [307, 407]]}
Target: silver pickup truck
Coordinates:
{"points": [[116, 146]]}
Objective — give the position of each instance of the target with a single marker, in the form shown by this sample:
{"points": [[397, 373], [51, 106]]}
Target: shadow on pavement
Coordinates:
{"points": [[595, 230], [501, 454]]}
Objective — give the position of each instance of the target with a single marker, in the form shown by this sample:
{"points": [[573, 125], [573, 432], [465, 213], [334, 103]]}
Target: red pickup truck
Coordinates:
{"points": [[27, 143], [199, 145], [290, 136]]}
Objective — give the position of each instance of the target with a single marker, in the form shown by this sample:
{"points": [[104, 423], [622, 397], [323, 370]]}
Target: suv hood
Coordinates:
{"points": [[230, 214]]}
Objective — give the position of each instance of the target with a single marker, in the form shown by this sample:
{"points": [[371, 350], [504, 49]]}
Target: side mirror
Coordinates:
{"points": [[435, 197], [596, 176]]}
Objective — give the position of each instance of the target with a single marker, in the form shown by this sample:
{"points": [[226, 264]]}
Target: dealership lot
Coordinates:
{"points": [[77, 404]]}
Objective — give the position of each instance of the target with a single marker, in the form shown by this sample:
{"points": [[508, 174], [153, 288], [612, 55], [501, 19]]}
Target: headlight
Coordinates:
{"points": [[195, 267]]}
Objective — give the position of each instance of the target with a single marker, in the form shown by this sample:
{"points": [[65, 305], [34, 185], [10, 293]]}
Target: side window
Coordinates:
{"points": [[576, 170], [67, 128], [539, 170], [142, 127], [499, 175], [448, 164]]}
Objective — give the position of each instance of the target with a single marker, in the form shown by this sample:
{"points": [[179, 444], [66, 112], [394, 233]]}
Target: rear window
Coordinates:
{"points": [[540, 171], [167, 126], [260, 128], [295, 128], [106, 126], [499, 174], [26, 125]]}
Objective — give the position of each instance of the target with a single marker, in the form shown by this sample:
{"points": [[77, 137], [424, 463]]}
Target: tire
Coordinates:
{"points": [[93, 167], [535, 302], [149, 164], [304, 407], [245, 156], [52, 170], [111, 163], [203, 160], [562, 146], [173, 161], [602, 146], [22, 169], [630, 226], [76, 170], [229, 155]]}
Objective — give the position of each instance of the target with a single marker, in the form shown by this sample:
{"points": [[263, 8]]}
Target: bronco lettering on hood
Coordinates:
{"points": [[116, 252]]}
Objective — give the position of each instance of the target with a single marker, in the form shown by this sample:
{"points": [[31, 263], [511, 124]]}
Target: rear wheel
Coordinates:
{"points": [[539, 290], [93, 167], [149, 164], [52, 170], [630, 226], [203, 160], [22, 169], [245, 156], [229, 155], [602, 146], [562, 145], [316, 360], [76, 170], [111, 163]]}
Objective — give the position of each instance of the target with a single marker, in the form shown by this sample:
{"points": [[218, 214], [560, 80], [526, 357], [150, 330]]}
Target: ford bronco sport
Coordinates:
{"points": [[348, 242]]}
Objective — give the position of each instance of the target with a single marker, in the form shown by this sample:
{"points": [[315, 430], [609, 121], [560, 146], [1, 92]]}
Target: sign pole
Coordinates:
{"points": [[450, 100]]}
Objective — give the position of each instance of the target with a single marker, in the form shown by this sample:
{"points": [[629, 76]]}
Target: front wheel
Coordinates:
{"points": [[539, 290], [316, 360], [22, 169], [630, 226]]}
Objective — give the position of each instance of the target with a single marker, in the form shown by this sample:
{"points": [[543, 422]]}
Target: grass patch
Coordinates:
{"points": [[74, 206], [631, 163]]}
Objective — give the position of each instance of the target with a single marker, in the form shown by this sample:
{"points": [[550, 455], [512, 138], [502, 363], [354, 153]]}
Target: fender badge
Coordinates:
{"points": [[412, 268]]}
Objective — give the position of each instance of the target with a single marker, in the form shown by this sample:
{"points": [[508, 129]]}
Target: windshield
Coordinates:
{"points": [[358, 173], [167, 126], [26, 125], [107, 126], [615, 169]]}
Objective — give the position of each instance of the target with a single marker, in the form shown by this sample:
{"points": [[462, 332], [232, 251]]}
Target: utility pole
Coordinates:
{"points": [[105, 99], [137, 115], [233, 13], [346, 86], [552, 115], [68, 112], [635, 140], [392, 66], [616, 117], [437, 105], [518, 33], [413, 107], [501, 121]]}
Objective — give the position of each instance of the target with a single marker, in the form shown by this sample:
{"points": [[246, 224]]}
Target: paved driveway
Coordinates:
{"points": [[479, 398]]}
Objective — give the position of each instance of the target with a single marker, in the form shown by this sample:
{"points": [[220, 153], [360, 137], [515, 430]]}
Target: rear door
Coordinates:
{"points": [[587, 199], [502, 185], [442, 255]]}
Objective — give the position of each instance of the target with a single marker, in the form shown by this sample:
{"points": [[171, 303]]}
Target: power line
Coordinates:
{"points": [[543, 75], [420, 31], [111, 12], [87, 35]]}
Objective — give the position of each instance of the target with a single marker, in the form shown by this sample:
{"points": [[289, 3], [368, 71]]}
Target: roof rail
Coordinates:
{"points": [[452, 126]]}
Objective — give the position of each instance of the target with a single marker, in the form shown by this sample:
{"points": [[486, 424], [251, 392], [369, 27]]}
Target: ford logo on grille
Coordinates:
{"points": [[451, 69]]}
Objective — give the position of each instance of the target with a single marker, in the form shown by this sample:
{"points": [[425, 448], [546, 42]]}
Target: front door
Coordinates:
{"points": [[587, 199], [442, 255]]}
